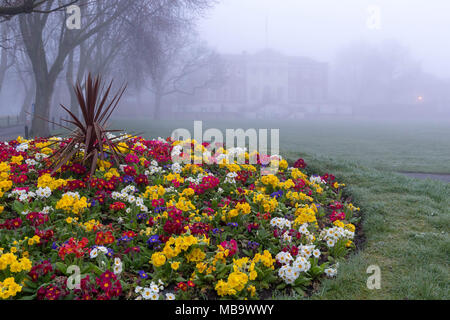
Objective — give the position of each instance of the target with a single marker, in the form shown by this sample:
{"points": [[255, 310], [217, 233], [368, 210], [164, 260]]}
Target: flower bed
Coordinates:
{"points": [[153, 229]]}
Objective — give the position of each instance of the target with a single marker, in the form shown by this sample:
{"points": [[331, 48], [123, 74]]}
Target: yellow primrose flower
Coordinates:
{"points": [[283, 164], [9, 288], [252, 290], [35, 240], [72, 204], [158, 259]]}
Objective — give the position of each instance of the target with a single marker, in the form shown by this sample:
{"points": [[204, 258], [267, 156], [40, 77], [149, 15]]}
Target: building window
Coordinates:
{"points": [[211, 95], [225, 94], [266, 93], [280, 94], [254, 93]]}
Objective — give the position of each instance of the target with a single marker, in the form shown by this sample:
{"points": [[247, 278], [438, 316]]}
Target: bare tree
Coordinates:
{"points": [[96, 55], [166, 51], [48, 43], [181, 66], [11, 8], [366, 73], [8, 49], [50, 46], [24, 71]]}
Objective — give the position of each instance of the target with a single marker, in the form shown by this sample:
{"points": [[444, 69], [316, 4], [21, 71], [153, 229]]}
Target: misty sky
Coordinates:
{"points": [[318, 28]]}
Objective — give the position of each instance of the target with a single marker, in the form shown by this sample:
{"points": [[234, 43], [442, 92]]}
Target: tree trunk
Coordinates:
{"points": [[3, 61], [27, 100], [69, 81], [32, 30], [44, 92]]}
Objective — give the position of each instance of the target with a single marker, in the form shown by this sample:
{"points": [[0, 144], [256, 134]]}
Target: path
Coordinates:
{"points": [[434, 176]]}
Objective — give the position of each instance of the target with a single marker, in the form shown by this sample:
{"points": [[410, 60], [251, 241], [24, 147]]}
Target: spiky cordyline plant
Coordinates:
{"points": [[90, 135]]}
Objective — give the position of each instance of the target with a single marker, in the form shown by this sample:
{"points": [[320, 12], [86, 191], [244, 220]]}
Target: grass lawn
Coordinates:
{"points": [[405, 221], [386, 145]]}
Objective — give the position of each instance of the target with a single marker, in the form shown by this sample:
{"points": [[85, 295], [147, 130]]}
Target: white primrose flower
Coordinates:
{"points": [[176, 151], [280, 223], [301, 264], [306, 251], [316, 253], [330, 243], [22, 147], [155, 296], [169, 189], [146, 293], [284, 257], [103, 249], [47, 210], [330, 272], [170, 296], [138, 289], [176, 168], [286, 237], [154, 288], [44, 192], [117, 269], [316, 179], [288, 274], [115, 195], [303, 229], [232, 175]]}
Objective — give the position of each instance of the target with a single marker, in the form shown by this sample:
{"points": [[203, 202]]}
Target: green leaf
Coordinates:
{"points": [[97, 270], [299, 291], [209, 277], [281, 286], [30, 284]]}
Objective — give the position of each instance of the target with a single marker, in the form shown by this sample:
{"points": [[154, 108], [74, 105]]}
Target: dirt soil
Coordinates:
{"points": [[434, 176]]}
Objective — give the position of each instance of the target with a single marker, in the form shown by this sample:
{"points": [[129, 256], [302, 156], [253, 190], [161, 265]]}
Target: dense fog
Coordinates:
{"points": [[229, 59]]}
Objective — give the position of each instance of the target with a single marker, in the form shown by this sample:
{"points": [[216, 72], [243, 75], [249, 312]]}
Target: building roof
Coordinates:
{"points": [[271, 55]]}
